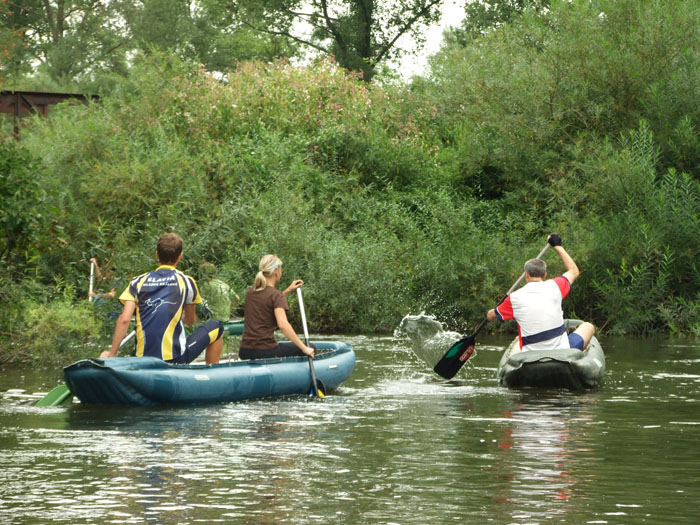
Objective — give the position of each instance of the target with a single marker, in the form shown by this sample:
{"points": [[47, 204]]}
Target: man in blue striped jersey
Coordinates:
{"points": [[163, 300]]}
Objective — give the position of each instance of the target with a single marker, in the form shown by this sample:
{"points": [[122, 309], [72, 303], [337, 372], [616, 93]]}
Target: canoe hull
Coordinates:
{"points": [[147, 381], [567, 368]]}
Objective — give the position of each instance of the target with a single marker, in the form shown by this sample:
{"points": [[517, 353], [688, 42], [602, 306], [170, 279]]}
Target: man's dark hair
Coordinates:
{"points": [[169, 248]]}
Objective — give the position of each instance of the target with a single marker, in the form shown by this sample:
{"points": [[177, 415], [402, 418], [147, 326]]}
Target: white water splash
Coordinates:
{"points": [[428, 339]]}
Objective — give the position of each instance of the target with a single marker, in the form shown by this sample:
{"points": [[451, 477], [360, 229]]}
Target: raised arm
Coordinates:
{"points": [[98, 273], [572, 271], [292, 287]]}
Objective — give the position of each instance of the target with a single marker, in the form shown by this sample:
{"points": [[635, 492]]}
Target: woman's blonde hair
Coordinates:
{"points": [[268, 264]]}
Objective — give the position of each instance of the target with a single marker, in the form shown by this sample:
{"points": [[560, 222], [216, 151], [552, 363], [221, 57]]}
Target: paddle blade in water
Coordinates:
{"points": [[455, 357], [319, 391], [59, 395]]}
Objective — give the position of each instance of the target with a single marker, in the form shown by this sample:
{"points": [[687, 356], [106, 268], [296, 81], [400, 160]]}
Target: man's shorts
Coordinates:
{"points": [[576, 341], [200, 339]]}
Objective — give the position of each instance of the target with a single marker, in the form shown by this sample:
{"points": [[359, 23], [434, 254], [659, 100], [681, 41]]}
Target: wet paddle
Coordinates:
{"points": [[62, 394], [317, 388], [463, 349], [57, 396]]}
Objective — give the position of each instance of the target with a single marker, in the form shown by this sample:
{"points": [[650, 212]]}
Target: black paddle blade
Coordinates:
{"points": [[317, 388], [319, 391], [455, 357]]}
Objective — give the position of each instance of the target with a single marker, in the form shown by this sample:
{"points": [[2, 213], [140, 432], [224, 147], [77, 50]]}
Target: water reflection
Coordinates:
{"points": [[241, 459], [543, 451]]}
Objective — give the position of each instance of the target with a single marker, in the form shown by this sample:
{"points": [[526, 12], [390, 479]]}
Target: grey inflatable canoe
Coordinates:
{"points": [[565, 368]]}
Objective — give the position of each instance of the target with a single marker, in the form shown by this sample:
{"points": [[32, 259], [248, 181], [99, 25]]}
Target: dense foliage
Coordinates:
{"points": [[387, 199]]}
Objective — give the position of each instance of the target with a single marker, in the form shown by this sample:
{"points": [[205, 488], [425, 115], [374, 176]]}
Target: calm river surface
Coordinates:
{"points": [[396, 444]]}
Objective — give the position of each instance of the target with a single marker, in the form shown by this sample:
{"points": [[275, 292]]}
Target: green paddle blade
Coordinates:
{"points": [[59, 395], [234, 327], [455, 357]]}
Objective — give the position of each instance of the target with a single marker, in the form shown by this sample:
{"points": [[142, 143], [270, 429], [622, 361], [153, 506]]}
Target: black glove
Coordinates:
{"points": [[554, 240]]}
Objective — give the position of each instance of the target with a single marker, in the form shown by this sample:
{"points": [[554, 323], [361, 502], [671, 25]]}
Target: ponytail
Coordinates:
{"points": [[260, 282], [268, 264]]}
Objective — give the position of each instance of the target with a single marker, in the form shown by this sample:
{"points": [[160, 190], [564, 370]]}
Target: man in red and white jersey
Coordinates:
{"points": [[536, 307]]}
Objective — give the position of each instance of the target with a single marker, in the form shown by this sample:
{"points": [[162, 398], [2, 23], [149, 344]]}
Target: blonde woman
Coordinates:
{"points": [[265, 310]]}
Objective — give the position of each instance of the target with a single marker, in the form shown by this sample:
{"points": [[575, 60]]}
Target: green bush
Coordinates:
{"points": [[25, 208], [57, 332], [644, 235]]}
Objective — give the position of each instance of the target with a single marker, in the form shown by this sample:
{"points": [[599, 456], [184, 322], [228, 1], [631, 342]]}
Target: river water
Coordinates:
{"points": [[396, 444]]}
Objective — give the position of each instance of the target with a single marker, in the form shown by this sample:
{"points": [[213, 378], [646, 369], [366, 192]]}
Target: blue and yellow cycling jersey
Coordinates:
{"points": [[161, 297]]}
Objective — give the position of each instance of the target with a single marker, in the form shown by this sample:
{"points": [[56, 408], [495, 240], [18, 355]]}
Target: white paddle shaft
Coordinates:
{"points": [[92, 280], [127, 338], [303, 315]]}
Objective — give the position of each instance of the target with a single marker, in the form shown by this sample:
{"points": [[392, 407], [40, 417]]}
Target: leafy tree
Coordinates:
{"points": [[205, 33], [360, 34], [12, 47], [483, 15], [62, 42], [69, 39]]}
